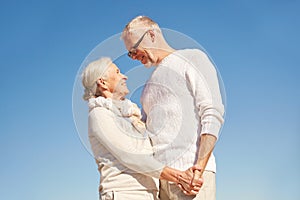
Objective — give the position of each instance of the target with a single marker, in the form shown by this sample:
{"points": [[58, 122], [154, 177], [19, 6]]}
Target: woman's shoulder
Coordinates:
{"points": [[100, 112]]}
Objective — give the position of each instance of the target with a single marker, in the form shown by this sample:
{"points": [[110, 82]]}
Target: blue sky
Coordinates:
{"points": [[253, 43]]}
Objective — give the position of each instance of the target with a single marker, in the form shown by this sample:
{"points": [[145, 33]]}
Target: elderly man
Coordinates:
{"points": [[118, 138], [182, 102]]}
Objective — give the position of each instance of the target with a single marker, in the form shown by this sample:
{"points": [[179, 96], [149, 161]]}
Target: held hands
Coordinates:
{"points": [[190, 181]]}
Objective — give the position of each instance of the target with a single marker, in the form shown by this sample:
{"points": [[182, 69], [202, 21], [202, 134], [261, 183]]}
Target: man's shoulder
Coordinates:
{"points": [[195, 56], [191, 52]]}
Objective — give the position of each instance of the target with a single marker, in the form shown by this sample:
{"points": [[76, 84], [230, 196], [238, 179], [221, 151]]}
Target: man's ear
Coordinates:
{"points": [[102, 83], [152, 35]]}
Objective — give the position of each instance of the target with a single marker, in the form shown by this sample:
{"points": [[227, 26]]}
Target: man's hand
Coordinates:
{"points": [[189, 182]]}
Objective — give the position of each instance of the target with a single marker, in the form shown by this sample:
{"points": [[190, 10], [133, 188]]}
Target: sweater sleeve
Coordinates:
{"points": [[204, 85], [132, 152]]}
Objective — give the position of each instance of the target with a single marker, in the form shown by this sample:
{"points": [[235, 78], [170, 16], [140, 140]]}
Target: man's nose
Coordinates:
{"points": [[134, 57]]}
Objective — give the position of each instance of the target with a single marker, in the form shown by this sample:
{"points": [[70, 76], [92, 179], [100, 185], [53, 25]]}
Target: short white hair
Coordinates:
{"points": [[94, 71], [140, 23]]}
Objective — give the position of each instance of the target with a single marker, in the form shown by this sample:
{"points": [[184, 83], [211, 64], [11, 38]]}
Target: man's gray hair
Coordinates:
{"points": [[138, 23]]}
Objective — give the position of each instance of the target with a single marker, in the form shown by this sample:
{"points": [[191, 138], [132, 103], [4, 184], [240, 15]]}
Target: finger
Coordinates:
{"points": [[183, 185], [197, 182], [183, 190], [189, 193], [197, 174], [186, 187], [180, 186], [196, 189], [193, 192], [184, 179], [186, 193], [190, 190]]}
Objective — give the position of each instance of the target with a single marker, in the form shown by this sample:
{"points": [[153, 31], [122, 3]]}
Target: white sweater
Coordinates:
{"points": [[123, 155], [182, 100]]}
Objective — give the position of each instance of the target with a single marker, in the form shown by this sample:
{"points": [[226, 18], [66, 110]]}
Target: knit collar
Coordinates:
{"points": [[124, 108]]}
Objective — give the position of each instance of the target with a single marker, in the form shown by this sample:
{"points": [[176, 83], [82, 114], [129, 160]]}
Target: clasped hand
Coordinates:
{"points": [[189, 181]]}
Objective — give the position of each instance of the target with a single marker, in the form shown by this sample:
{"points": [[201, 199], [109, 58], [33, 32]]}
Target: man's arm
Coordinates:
{"points": [[207, 144], [204, 85]]}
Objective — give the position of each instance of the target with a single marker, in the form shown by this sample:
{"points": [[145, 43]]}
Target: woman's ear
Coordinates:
{"points": [[102, 84]]}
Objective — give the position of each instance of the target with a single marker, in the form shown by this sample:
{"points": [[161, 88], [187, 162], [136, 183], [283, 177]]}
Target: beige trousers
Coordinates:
{"points": [[130, 195], [207, 192]]}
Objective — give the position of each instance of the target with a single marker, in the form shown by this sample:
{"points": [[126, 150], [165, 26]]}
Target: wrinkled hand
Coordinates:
{"points": [[190, 181]]}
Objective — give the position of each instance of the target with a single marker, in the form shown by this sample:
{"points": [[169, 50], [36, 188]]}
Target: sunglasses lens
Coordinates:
{"points": [[131, 53]]}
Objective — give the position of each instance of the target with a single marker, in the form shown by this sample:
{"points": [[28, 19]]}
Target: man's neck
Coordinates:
{"points": [[164, 53]]}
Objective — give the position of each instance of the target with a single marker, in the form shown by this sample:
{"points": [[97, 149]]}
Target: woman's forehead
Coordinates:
{"points": [[112, 67]]}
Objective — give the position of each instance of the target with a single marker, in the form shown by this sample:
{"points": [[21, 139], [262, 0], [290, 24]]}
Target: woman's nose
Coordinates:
{"points": [[125, 77]]}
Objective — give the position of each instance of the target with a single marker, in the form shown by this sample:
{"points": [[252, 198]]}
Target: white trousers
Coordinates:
{"points": [[130, 195]]}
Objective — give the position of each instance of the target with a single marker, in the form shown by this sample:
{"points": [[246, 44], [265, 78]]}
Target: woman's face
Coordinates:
{"points": [[116, 82]]}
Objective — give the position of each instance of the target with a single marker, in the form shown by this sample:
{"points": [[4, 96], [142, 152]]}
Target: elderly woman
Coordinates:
{"points": [[119, 140]]}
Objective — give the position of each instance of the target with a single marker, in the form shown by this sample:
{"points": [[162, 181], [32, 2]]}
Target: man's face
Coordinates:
{"points": [[134, 45], [116, 82]]}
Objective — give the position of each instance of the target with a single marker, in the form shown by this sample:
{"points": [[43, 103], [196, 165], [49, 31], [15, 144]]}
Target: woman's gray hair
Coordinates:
{"points": [[93, 71]]}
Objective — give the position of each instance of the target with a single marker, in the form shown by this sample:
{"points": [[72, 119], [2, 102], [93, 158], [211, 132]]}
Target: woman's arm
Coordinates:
{"points": [[128, 150], [131, 154]]}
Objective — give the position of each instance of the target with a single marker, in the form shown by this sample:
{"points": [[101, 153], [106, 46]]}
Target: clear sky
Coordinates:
{"points": [[253, 43]]}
